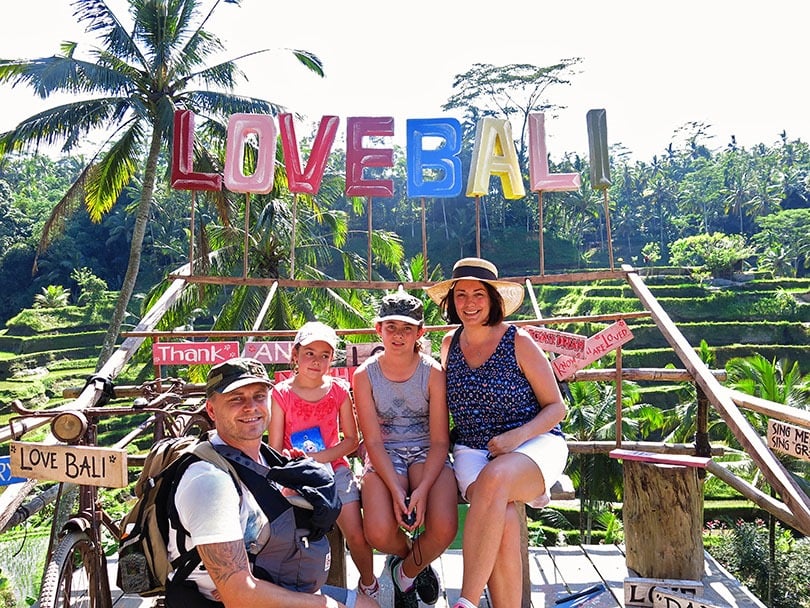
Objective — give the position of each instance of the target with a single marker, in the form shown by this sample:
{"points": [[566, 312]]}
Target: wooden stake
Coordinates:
{"points": [[292, 236], [247, 236], [607, 224]]}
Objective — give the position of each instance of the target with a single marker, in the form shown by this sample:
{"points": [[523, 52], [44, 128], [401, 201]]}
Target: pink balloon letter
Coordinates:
{"points": [[240, 127], [494, 153], [358, 157], [309, 181], [540, 180], [183, 175]]}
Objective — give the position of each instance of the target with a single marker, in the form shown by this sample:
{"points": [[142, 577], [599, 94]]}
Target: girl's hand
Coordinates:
{"points": [[401, 509], [418, 505], [294, 452]]}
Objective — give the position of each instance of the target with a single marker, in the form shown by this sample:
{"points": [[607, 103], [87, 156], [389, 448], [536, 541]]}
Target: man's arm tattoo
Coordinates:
{"points": [[223, 560]]}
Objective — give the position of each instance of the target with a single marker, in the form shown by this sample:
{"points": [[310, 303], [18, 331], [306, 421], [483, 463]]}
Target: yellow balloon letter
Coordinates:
{"points": [[494, 154]]}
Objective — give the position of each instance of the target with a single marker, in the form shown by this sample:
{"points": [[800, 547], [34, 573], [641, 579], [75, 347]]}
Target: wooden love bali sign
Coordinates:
{"points": [[596, 346]]}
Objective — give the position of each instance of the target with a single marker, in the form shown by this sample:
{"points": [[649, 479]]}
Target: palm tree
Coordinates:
{"points": [[592, 417], [52, 296], [131, 86]]}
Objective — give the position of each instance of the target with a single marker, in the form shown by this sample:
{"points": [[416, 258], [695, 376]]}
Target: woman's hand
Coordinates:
{"points": [[504, 443]]}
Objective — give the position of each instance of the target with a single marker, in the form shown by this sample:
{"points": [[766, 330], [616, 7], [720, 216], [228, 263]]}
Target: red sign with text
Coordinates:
{"points": [[270, 352], [193, 353], [560, 342], [599, 344]]}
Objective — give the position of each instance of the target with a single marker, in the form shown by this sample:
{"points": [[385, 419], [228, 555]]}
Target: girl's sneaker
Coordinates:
{"points": [[427, 585], [372, 591]]}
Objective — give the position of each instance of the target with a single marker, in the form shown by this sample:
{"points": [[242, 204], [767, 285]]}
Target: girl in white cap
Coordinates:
{"points": [[507, 409], [313, 412]]}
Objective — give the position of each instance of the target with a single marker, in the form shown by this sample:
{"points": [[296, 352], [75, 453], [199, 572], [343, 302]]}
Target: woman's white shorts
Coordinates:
{"points": [[548, 451]]}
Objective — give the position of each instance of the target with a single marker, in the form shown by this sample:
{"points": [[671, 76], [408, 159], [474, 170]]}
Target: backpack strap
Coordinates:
{"points": [[188, 560]]}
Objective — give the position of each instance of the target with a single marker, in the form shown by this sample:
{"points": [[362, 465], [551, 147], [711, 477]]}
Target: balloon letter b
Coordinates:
{"points": [[494, 153], [442, 162]]}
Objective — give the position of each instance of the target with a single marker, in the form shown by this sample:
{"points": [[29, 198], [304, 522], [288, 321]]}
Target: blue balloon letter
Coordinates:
{"points": [[441, 164]]}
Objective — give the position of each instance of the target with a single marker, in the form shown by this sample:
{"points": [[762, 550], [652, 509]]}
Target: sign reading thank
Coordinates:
{"points": [[789, 439], [91, 466], [193, 353]]}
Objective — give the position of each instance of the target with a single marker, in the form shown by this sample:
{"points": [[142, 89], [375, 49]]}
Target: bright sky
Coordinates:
{"points": [[739, 67]]}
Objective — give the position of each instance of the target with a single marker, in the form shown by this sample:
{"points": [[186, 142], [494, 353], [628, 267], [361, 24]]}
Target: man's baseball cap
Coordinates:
{"points": [[235, 373]]}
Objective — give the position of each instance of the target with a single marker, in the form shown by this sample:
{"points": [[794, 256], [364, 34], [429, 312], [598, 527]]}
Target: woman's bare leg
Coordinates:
{"points": [[489, 532]]}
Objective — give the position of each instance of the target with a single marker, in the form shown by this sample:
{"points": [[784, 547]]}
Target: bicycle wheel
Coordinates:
{"points": [[71, 574]]}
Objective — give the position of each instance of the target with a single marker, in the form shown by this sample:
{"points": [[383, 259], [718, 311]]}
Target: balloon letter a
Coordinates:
{"points": [[494, 153]]}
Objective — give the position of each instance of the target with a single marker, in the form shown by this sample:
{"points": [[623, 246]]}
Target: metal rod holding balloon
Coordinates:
{"points": [[478, 226], [540, 179], [600, 164], [540, 228], [368, 259], [292, 235], [247, 236], [424, 242], [191, 235]]}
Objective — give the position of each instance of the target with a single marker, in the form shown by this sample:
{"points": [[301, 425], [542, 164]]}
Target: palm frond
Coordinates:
{"points": [[114, 171], [67, 123], [100, 19], [70, 202]]}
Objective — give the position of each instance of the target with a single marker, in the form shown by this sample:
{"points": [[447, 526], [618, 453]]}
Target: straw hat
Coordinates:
{"points": [[478, 269]]}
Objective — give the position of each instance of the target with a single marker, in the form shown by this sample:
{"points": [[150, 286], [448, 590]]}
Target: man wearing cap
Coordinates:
{"points": [[224, 522]]}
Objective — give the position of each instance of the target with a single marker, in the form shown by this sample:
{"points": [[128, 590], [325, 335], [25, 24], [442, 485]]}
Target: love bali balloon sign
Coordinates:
{"points": [[433, 172]]}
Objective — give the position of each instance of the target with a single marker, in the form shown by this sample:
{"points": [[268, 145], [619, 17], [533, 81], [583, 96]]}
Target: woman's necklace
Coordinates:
{"points": [[475, 350]]}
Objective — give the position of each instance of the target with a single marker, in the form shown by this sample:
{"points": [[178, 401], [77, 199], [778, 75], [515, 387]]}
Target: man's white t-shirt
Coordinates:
{"points": [[210, 509]]}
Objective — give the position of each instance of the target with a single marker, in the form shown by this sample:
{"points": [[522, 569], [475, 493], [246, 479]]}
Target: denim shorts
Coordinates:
{"points": [[347, 485], [340, 594], [402, 459], [548, 451]]}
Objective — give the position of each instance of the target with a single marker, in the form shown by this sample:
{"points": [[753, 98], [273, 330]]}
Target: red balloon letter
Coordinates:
{"points": [[183, 175], [309, 181], [358, 157]]}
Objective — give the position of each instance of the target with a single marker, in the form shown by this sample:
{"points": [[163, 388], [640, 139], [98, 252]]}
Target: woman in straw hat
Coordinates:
{"points": [[507, 410]]}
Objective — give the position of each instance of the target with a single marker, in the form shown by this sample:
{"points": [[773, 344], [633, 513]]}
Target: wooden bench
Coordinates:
{"points": [[563, 489]]}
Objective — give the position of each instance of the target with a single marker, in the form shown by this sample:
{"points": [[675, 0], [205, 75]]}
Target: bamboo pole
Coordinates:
{"points": [[773, 470]]}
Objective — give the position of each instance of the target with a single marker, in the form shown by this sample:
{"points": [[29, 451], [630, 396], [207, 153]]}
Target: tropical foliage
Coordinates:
{"points": [[129, 88]]}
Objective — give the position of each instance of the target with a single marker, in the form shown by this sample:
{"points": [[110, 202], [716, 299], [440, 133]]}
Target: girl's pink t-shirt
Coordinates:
{"points": [[312, 426]]}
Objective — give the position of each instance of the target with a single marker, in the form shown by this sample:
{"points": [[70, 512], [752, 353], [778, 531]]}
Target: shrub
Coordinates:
{"points": [[744, 551]]}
